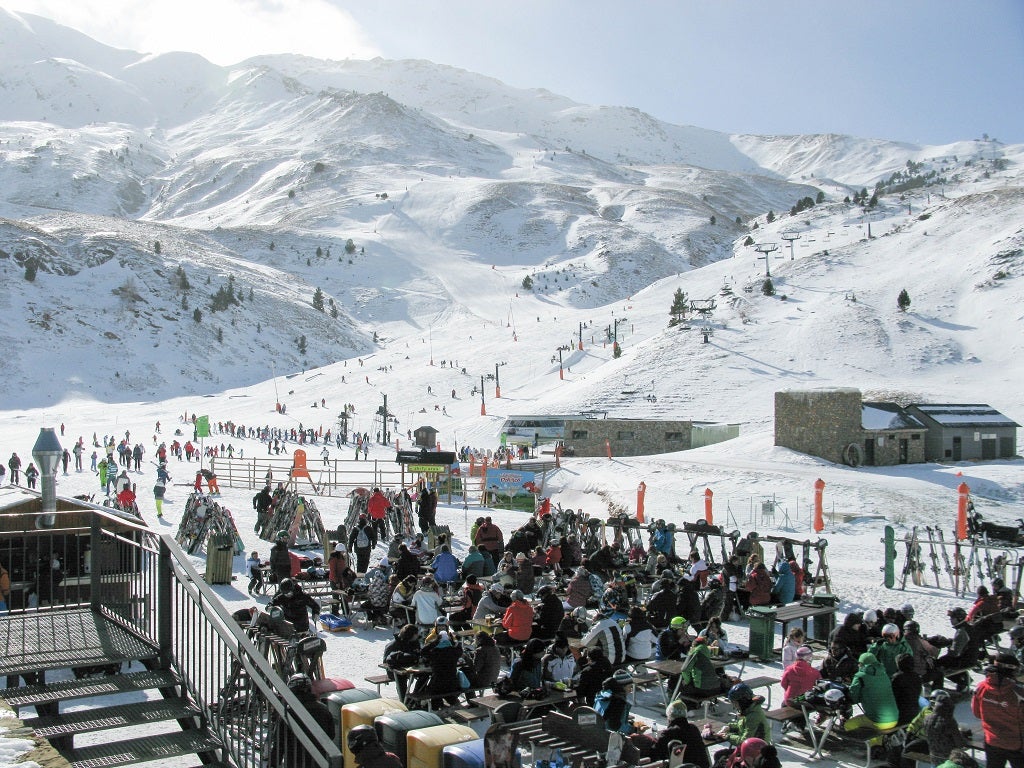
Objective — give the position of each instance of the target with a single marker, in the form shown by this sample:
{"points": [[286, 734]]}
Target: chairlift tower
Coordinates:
{"points": [[707, 332], [703, 307], [766, 250], [789, 237]]}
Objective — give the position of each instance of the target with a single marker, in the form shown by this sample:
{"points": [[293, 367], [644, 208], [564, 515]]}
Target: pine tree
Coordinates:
{"points": [[302, 345], [220, 335], [770, 217], [903, 300], [350, 247], [318, 300], [749, 241], [527, 283], [30, 270], [680, 305], [156, 247], [197, 315], [768, 287]]}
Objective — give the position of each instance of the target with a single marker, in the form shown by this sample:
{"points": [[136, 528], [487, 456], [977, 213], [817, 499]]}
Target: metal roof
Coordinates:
{"points": [[883, 416], [965, 415]]}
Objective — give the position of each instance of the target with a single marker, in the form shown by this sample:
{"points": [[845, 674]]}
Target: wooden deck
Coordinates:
{"points": [[39, 640]]}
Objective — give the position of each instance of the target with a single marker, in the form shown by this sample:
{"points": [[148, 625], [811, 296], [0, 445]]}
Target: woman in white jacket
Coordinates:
{"points": [[639, 636]]}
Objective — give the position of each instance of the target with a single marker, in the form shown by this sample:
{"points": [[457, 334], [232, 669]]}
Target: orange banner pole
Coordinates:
{"points": [[640, 493], [819, 515], [608, 448], [708, 514], [961, 511]]}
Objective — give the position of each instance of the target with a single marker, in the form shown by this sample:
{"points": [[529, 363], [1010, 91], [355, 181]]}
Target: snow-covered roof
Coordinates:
{"points": [[882, 416], [965, 415]]}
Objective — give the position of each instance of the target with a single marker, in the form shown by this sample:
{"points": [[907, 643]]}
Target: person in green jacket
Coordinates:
{"points": [[699, 678], [752, 722], [873, 691], [891, 645]]}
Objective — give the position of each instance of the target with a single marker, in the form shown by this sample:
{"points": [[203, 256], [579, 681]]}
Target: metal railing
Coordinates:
{"points": [[144, 582]]}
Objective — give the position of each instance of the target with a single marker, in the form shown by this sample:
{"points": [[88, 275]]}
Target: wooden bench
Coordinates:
{"points": [[467, 715], [702, 702], [864, 737], [378, 680], [643, 680], [784, 715]]}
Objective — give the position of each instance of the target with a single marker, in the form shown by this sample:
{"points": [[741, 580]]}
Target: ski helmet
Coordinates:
{"points": [[741, 694], [360, 737], [751, 748], [299, 683]]}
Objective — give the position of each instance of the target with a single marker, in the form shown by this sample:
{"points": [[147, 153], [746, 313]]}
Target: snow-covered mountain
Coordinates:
{"points": [[423, 200]]}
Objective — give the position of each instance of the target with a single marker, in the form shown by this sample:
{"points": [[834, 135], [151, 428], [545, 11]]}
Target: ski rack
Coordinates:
{"points": [[300, 518], [974, 560], [822, 576], [204, 516], [700, 534]]}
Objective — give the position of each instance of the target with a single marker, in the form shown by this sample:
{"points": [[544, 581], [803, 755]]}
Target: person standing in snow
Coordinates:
{"points": [[14, 464]]}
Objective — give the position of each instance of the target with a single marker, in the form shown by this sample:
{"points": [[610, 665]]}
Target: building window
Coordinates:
{"points": [[624, 435], [580, 434], [673, 437]]}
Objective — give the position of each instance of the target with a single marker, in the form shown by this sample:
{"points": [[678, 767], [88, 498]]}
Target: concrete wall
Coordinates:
{"points": [[819, 422], [888, 453]]}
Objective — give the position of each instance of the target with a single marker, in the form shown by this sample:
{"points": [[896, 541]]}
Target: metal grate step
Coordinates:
{"points": [[62, 690], [118, 716], [135, 751]]}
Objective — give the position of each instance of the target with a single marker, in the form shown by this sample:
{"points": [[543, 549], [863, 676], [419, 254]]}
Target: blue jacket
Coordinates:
{"points": [[784, 589], [446, 567]]}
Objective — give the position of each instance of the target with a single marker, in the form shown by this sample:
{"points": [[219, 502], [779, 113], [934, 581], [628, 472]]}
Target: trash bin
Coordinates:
{"points": [[364, 713], [339, 699], [425, 745], [393, 728], [220, 556], [762, 631], [468, 754], [824, 624]]}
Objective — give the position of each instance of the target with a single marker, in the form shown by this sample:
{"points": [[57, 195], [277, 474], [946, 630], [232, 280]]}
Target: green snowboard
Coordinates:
{"points": [[890, 557]]}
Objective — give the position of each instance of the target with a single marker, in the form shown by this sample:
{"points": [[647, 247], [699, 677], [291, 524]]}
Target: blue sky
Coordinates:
{"points": [[925, 71]]}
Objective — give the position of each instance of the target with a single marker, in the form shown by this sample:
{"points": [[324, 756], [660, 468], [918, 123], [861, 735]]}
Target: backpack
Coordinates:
{"points": [[362, 538]]}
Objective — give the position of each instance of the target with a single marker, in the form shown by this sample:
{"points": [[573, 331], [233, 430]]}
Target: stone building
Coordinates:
{"points": [[641, 437], [836, 425]]}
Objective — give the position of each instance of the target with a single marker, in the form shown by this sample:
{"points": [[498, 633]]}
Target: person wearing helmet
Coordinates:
{"points": [[757, 753], [612, 703], [923, 651], [493, 602], [962, 652], [363, 744], [287, 748], [891, 645], [579, 591], [280, 558], [295, 603], [752, 722], [674, 641], [998, 702], [1017, 642], [873, 691], [941, 730]]}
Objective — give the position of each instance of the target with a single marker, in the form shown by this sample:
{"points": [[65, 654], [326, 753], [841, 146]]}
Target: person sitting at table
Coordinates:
{"points": [[872, 690], [401, 653], [526, 671], [607, 635], [594, 670], [484, 663], [612, 703], [839, 665], [699, 679], [525, 580], [492, 602], [697, 571], [602, 562], [784, 588], [755, 753], [714, 634], [442, 654], [759, 586], [906, 687], [799, 677], [574, 624], [407, 563], [558, 665], [427, 602], [401, 599], [680, 729], [638, 634], [553, 555], [752, 722], [851, 634], [579, 592], [674, 641], [517, 621], [445, 566], [661, 606], [549, 614], [889, 647], [473, 563], [469, 597], [538, 559]]}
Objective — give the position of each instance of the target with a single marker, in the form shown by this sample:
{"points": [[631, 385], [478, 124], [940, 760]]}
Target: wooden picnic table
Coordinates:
{"points": [[787, 614], [492, 701], [668, 668]]}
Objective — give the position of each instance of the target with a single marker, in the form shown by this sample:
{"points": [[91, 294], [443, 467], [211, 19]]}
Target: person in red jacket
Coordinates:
{"points": [[490, 538], [799, 677], [998, 702], [759, 585], [378, 506], [518, 619]]}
